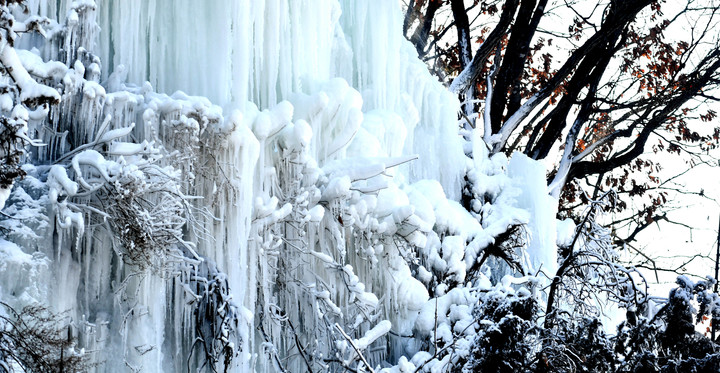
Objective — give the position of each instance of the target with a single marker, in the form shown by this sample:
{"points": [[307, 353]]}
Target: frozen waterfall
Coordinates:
{"points": [[253, 186]]}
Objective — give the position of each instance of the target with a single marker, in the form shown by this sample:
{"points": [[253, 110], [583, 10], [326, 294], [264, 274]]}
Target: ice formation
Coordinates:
{"points": [[295, 202]]}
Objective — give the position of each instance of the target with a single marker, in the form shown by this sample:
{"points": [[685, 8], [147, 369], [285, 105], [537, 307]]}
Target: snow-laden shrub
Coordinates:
{"points": [[35, 339], [575, 345], [146, 212], [12, 146], [667, 340], [507, 332], [216, 318]]}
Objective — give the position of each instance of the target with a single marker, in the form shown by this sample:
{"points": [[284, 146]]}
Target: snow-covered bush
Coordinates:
{"points": [[507, 334], [146, 212], [667, 340], [589, 275], [36, 340], [20, 95], [575, 344], [12, 141], [216, 318]]}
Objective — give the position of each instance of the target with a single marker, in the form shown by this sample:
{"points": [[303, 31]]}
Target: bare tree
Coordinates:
{"points": [[593, 85]]}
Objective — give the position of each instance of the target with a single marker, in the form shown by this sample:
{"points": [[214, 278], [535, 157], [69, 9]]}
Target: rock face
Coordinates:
{"points": [[294, 202]]}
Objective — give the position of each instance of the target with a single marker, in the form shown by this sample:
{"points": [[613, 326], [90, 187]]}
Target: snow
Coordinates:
{"points": [[316, 214], [30, 90], [565, 232], [337, 188], [382, 328], [116, 133], [59, 182], [24, 277], [94, 159], [450, 307], [5, 194], [37, 67]]}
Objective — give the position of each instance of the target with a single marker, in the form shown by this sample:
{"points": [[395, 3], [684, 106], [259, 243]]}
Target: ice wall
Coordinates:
{"points": [[263, 51], [527, 176], [298, 193]]}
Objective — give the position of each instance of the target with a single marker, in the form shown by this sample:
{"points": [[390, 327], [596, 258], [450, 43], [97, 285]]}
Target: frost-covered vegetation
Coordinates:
{"points": [[317, 211]]}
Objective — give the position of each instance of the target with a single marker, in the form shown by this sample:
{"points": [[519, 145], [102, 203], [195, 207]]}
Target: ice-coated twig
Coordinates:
{"points": [[352, 344]]}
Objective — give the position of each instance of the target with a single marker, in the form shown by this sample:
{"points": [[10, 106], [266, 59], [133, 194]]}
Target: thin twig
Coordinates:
{"points": [[347, 338]]}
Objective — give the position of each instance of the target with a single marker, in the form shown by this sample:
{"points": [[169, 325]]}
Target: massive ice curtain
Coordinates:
{"points": [[270, 185]]}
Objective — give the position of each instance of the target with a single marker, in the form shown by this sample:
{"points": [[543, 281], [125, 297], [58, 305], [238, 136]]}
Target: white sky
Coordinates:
{"points": [[702, 214]]}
